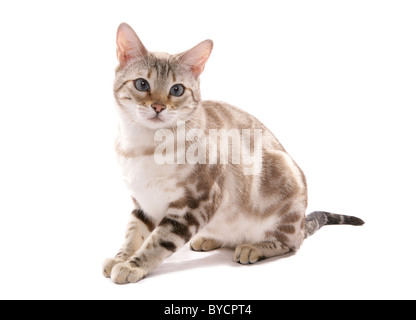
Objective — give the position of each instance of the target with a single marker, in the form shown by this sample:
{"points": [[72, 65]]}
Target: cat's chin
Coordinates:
{"points": [[156, 123]]}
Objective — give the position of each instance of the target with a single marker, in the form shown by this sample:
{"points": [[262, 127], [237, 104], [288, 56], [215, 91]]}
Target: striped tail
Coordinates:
{"points": [[316, 220]]}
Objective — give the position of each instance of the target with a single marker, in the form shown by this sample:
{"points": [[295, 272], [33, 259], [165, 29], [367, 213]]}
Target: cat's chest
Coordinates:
{"points": [[154, 186]]}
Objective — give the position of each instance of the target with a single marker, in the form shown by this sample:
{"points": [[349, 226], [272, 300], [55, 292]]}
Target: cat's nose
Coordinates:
{"points": [[158, 107]]}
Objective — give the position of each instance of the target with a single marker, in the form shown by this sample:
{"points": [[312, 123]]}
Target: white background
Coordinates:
{"points": [[334, 80]]}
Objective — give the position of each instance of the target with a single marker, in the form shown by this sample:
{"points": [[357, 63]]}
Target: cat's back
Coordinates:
{"points": [[225, 115], [221, 115]]}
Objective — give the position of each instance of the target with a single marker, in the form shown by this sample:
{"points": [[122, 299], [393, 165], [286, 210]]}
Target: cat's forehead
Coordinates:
{"points": [[161, 63], [161, 56], [157, 65]]}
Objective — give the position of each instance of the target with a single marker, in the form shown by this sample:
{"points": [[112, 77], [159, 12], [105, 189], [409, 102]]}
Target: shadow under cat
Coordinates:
{"points": [[186, 259]]}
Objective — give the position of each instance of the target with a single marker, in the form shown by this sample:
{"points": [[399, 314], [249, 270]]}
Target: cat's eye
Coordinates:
{"points": [[142, 84], [177, 90]]}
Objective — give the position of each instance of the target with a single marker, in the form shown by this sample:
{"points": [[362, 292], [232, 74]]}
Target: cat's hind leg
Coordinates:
{"points": [[251, 253], [205, 244]]}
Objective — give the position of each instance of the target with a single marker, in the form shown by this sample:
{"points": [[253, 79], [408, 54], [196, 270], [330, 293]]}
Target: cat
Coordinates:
{"points": [[211, 204]]}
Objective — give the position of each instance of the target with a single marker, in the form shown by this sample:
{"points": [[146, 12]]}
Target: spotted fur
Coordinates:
{"points": [[212, 204]]}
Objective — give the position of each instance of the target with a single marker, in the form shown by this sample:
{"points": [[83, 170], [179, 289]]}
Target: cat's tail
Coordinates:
{"points": [[316, 220]]}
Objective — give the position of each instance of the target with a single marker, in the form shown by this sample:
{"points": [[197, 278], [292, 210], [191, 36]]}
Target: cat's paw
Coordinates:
{"points": [[247, 253], [125, 272], [204, 244], [109, 264]]}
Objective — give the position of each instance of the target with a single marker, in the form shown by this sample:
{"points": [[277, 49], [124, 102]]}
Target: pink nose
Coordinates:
{"points": [[158, 107]]}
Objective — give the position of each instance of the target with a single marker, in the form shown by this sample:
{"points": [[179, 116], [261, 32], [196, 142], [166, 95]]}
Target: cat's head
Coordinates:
{"points": [[157, 90]]}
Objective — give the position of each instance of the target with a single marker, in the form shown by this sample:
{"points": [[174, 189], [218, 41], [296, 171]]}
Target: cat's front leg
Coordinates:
{"points": [[173, 232], [138, 230]]}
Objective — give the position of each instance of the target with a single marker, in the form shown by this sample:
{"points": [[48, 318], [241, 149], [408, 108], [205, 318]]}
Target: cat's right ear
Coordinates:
{"points": [[129, 45]]}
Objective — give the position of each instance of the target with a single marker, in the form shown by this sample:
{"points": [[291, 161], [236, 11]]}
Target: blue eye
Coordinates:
{"points": [[177, 90], [141, 85]]}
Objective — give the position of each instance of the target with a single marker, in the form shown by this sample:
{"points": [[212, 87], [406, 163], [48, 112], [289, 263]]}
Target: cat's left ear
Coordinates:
{"points": [[196, 58]]}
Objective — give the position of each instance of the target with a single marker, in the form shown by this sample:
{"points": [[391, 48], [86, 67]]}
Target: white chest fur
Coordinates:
{"points": [[153, 186]]}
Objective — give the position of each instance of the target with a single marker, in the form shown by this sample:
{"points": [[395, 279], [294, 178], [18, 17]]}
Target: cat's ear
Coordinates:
{"points": [[196, 58], [129, 45]]}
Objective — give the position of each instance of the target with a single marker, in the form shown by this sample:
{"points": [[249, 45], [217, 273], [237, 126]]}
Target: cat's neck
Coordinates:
{"points": [[135, 136]]}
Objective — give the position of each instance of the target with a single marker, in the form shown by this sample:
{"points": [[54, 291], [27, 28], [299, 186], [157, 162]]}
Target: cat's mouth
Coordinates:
{"points": [[156, 119], [158, 122], [151, 118]]}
